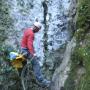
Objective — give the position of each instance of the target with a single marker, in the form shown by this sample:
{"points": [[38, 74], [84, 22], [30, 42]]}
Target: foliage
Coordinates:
{"points": [[83, 11], [4, 58], [79, 34], [5, 21], [81, 55], [83, 19]]}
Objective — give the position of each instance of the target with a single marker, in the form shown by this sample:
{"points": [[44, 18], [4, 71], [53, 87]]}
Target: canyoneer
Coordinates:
{"points": [[27, 49]]}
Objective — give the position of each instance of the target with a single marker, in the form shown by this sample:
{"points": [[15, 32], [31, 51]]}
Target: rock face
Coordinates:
{"points": [[72, 17], [54, 18], [53, 43], [57, 21], [61, 73], [5, 22], [79, 75]]}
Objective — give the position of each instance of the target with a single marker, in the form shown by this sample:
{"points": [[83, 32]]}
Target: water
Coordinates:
{"points": [[24, 12]]}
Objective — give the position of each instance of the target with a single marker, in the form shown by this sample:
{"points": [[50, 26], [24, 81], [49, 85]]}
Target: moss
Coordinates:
{"points": [[70, 82], [83, 21], [83, 11], [80, 57], [81, 54], [86, 79], [5, 21], [79, 34]]}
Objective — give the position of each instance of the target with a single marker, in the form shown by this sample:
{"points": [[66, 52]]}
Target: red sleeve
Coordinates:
{"points": [[30, 44], [23, 41]]}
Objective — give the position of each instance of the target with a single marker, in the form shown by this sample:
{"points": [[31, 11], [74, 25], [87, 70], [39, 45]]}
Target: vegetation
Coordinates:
{"points": [[79, 75], [5, 21], [81, 55]]}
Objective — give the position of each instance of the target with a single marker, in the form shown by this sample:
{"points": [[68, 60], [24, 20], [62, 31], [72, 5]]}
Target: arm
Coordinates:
{"points": [[24, 40], [30, 44]]}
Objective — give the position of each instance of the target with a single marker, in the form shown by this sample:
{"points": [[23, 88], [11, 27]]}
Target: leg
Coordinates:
{"points": [[37, 70], [38, 73]]}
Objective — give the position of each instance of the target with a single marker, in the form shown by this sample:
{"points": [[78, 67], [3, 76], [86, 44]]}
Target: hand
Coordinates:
{"points": [[35, 55]]}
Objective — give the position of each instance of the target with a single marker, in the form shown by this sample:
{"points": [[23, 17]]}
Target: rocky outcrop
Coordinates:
{"points": [[61, 73], [54, 21], [56, 17], [72, 17], [79, 75]]}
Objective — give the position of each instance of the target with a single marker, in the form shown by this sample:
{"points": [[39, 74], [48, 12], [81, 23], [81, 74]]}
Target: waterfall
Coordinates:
{"points": [[61, 73]]}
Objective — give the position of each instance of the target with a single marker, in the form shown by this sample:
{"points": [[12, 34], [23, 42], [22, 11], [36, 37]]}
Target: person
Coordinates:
{"points": [[28, 48]]}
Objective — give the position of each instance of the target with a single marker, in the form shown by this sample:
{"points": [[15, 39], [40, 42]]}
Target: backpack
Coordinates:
{"points": [[13, 55], [16, 60]]}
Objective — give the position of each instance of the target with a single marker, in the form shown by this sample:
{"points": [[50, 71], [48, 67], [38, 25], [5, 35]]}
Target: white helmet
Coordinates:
{"points": [[37, 24]]}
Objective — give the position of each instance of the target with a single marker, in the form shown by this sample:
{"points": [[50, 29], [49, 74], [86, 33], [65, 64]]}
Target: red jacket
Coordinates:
{"points": [[27, 40]]}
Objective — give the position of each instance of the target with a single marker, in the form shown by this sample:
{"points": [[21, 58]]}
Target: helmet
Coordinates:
{"points": [[13, 55], [37, 24]]}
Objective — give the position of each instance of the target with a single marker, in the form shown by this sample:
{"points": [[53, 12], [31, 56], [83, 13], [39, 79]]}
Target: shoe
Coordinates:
{"points": [[46, 83]]}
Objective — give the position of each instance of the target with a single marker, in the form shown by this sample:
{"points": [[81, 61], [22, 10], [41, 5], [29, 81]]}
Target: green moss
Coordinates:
{"points": [[79, 34], [86, 79], [83, 11], [83, 19], [81, 54], [5, 21], [70, 82]]}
